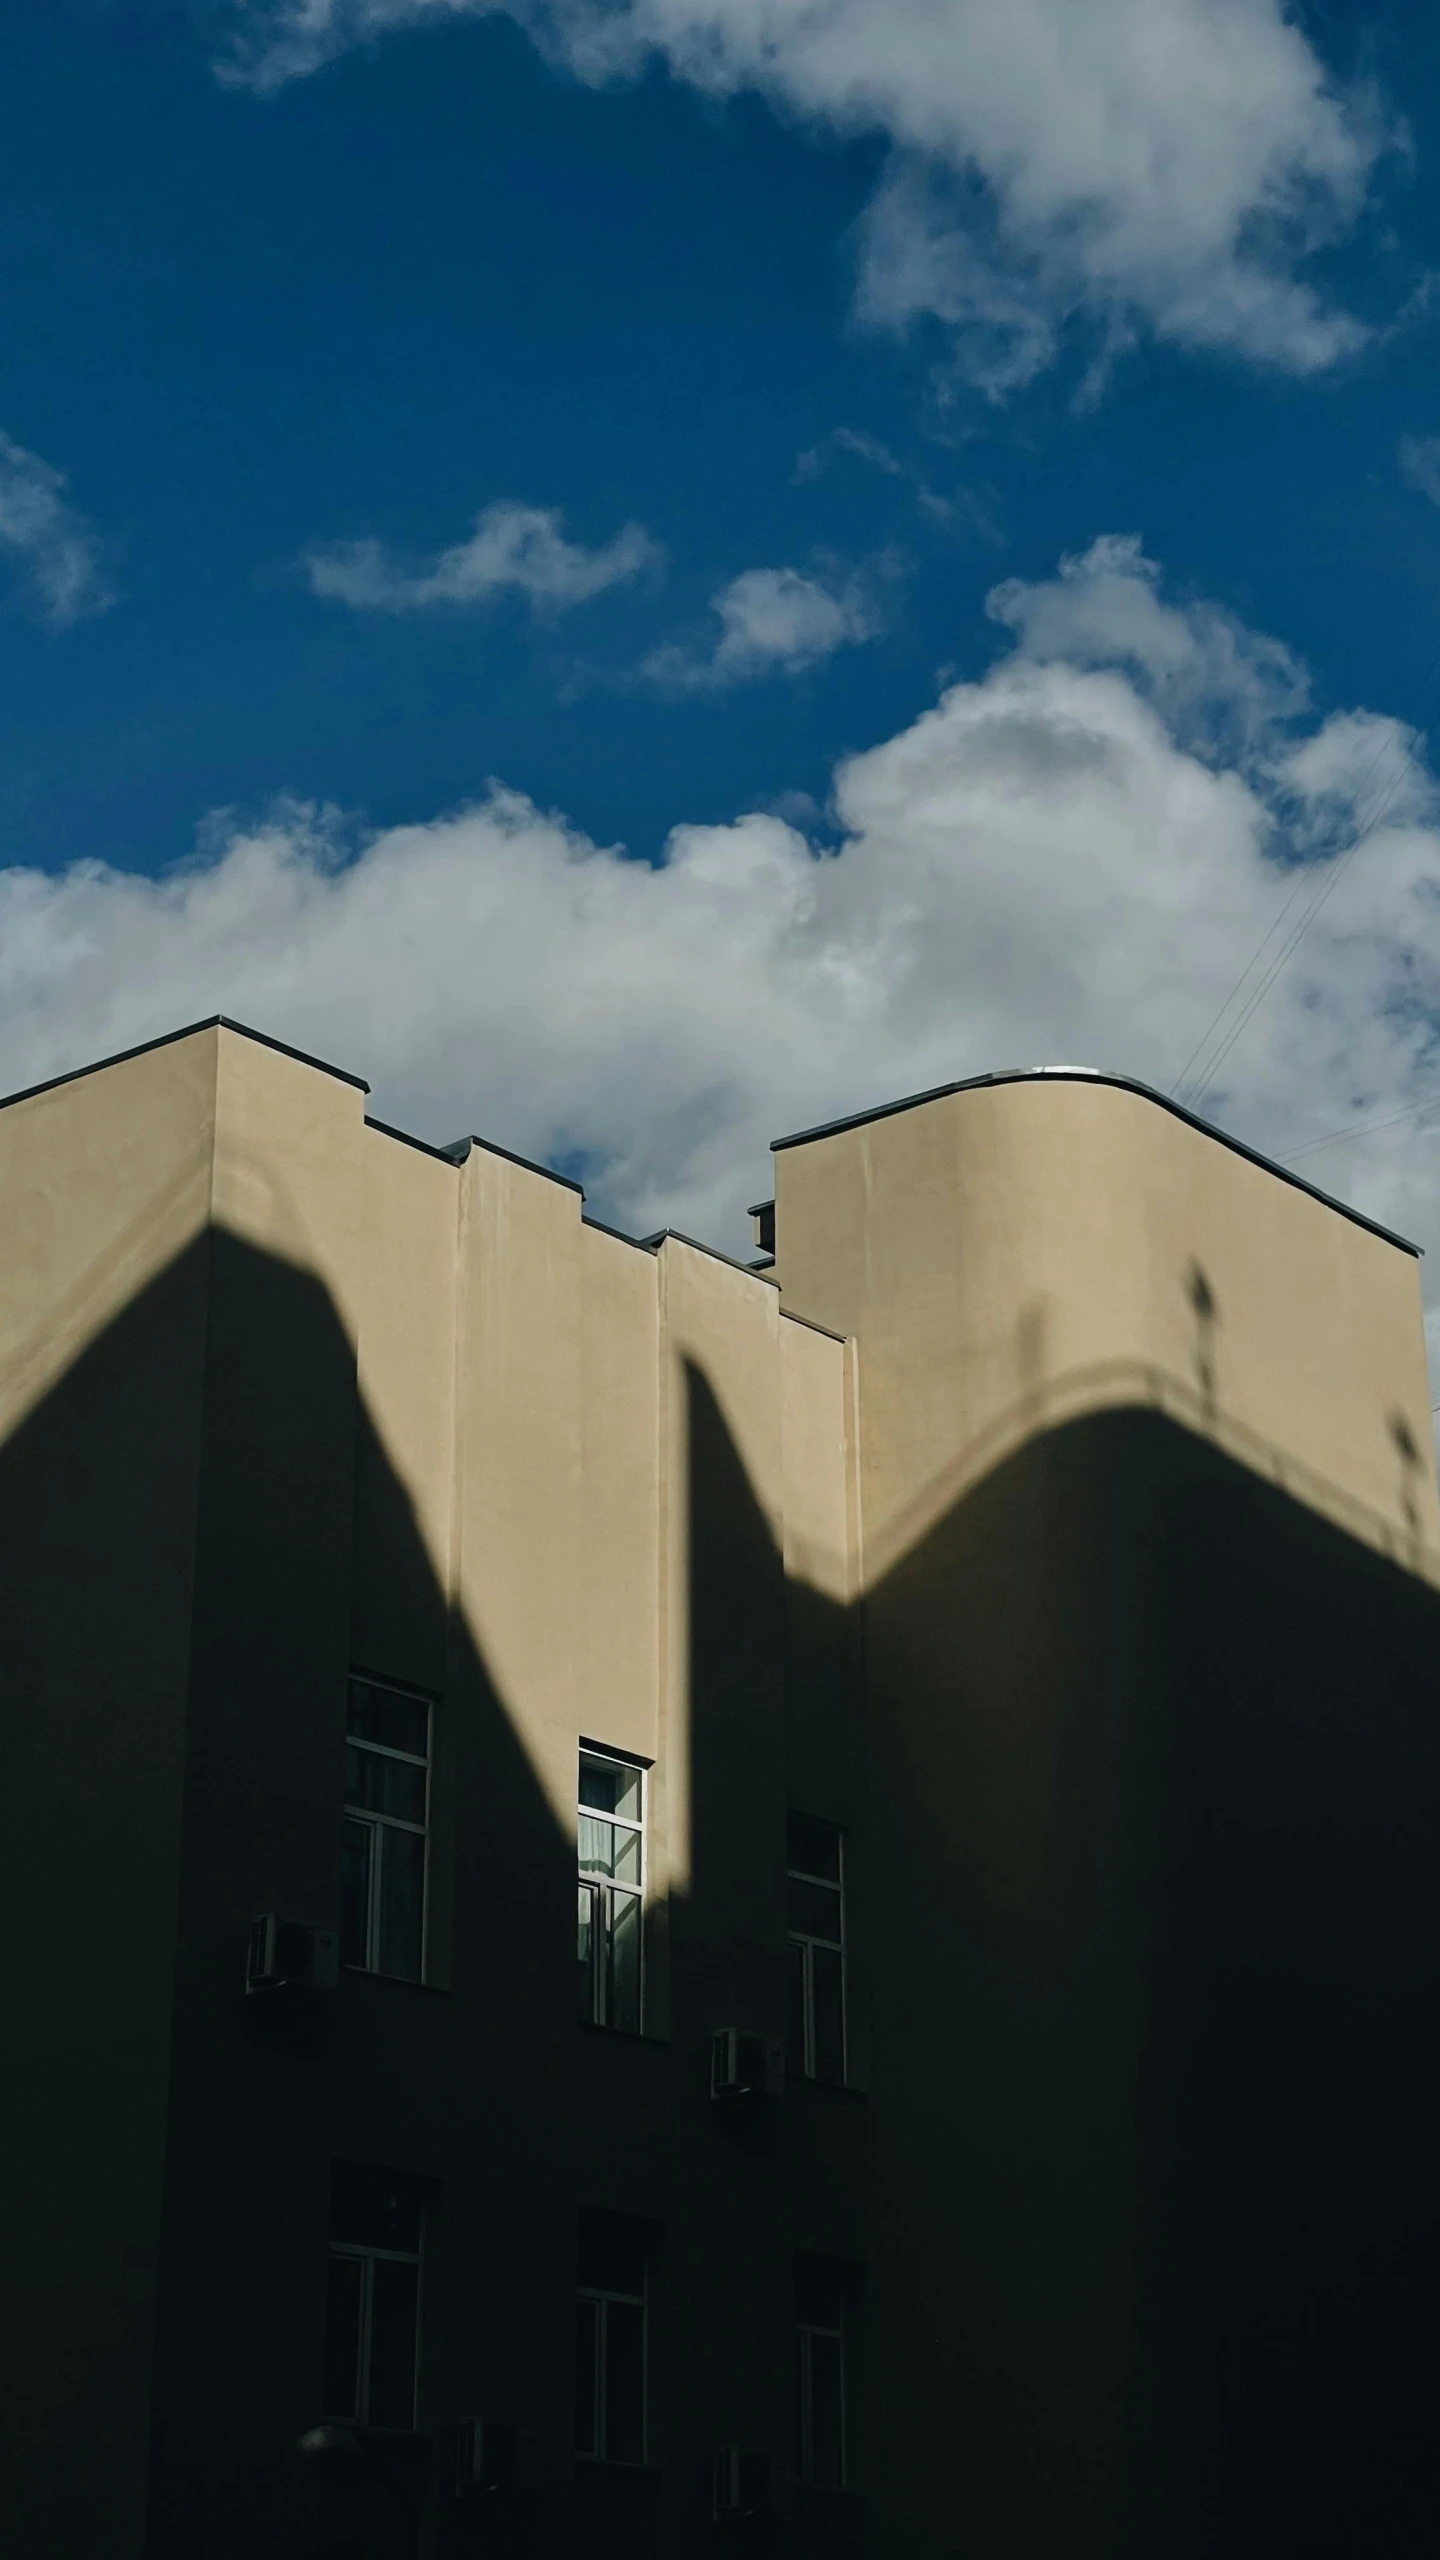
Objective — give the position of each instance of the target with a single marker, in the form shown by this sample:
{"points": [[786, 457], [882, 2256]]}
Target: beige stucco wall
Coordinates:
{"points": [[1017, 1254], [432, 1420], [103, 1179]]}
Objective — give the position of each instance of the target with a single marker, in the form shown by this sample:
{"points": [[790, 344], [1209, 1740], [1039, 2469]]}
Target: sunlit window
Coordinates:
{"points": [[611, 1831]]}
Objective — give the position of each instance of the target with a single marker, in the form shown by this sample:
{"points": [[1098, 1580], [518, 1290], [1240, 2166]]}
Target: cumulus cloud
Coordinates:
{"points": [[514, 548], [1070, 857], [47, 539], [772, 622], [1171, 164]]}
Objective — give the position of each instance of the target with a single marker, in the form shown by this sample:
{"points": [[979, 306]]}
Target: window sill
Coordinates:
{"points": [[393, 1981], [621, 2035]]}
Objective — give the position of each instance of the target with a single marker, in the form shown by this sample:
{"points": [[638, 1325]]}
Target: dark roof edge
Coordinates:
{"points": [[458, 1149], [673, 1235], [639, 1244], [166, 1040], [812, 1327], [492, 1147], [1125, 1084], [403, 1137]]}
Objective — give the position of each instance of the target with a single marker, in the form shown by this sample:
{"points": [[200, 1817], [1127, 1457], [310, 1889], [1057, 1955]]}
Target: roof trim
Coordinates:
{"points": [[617, 1234], [1125, 1084], [166, 1040], [456, 1153], [673, 1235], [789, 1316], [459, 1149], [403, 1138]]}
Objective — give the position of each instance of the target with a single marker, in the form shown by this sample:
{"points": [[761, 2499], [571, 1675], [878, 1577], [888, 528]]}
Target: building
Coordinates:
{"points": [[685, 1898]]}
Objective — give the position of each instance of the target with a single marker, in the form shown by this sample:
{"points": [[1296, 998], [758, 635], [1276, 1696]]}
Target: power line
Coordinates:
{"points": [[1330, 880], [1361, 1129], [1326, 889]]}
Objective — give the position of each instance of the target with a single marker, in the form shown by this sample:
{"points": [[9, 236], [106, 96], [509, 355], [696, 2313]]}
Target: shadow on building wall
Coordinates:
{"points": [[1146, 1964]]}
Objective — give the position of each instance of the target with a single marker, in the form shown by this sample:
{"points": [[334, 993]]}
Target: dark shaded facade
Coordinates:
{"points": [[1127, 2198]]}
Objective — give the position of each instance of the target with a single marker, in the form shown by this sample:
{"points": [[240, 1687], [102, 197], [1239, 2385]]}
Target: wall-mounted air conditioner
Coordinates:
{"points": [[291, 1954], [743, 2485], [487, 2458], [746, 2066]]}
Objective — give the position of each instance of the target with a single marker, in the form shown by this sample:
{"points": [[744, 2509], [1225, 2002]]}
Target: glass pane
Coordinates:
{"points": [[387, 1715], [622, 2006], [827, 2465], [587, 2323], [342, 2339], [611, 1786], [795, 2041], [355, 1850], [611, 2256], [376, 1785], [374, 2208], [819, 2293], [829, 2025], [814, 1909], [813, 1847], [402, 1902], [587, 1924], [597, 1846], [627, 1857], [394, 2297], [624, 2382]]}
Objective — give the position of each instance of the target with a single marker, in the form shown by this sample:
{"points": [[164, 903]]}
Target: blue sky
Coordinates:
{"points": [[679, 412]]}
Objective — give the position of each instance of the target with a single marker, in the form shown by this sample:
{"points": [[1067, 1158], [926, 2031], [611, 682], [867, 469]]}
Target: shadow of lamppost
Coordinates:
{"points": [[337, 2453]]}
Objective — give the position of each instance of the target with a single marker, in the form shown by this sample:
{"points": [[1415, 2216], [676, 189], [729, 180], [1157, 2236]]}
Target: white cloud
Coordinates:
{"points": [[1420, 465], [1169, 162], [51, 542], [1062, 859], [772, 622], [521, 549]]}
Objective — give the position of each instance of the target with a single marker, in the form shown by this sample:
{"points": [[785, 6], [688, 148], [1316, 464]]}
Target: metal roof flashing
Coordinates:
{"points": [[1125, 1084], [167, 1039]]}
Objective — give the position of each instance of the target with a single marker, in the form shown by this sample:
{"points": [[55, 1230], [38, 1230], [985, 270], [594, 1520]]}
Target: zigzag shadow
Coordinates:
{"points": [[1142, 1787]]}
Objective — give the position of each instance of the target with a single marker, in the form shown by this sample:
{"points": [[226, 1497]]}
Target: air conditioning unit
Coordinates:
{"points": [[487, 2458], [290, 1954], [746, 2066], [742, 2485]]}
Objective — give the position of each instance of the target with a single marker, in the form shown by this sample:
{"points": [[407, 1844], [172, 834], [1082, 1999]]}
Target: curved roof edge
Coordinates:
{"points": [[1126, 1084]]}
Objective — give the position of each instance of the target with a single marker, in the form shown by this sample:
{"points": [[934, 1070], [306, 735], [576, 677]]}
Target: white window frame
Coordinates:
{"points": [[602, 2296], [808, 1940], [806, 2332], [380, 1823], [368, 2259], [603, 1890]]}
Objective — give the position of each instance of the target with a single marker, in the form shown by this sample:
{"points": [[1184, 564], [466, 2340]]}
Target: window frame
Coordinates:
{"points": [[808, 1940], [602, 1890], [378, 1823], [600, 2298], [367, 2255], [807, 2331]]}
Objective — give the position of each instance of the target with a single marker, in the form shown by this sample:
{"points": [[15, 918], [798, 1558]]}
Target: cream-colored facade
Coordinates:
{"points": [[1054, 1518]]}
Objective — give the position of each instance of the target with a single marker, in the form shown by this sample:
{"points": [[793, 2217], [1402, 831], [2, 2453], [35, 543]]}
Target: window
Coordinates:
{"points": [[374, 2302], [387, 1786], [816, 1894], [611, 1890], [820, 2373], [610, 2341]]}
